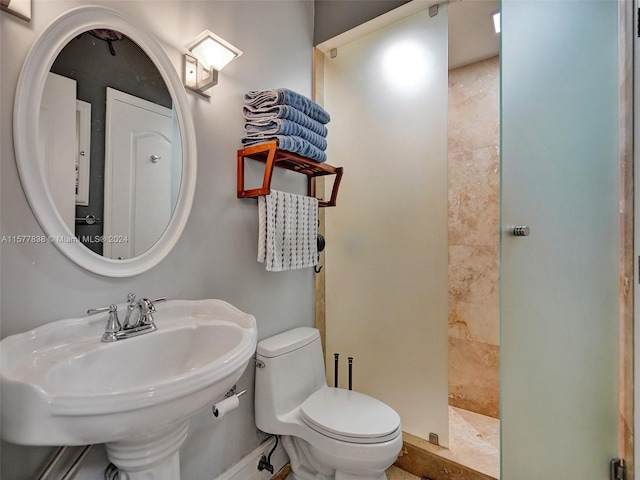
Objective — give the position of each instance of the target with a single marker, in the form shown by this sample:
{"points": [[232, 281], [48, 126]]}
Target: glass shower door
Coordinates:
{"points": [[386, 256], [559, 284]]}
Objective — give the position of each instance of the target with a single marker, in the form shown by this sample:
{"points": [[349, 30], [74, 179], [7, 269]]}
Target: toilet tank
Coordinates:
{"points": [[293, 369]]}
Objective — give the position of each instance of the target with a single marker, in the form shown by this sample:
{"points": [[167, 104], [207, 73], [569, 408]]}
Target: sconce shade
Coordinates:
{"points": [[212, 51]]}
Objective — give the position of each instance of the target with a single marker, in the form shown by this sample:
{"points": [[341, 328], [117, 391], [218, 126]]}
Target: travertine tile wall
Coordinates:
{"points": [[474, 209]]}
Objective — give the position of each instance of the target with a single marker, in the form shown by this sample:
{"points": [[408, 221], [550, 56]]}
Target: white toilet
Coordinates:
{"points": [[328, 433]]}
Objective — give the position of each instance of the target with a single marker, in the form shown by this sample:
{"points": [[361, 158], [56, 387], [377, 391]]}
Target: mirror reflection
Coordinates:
{"points": [[109, 144]]}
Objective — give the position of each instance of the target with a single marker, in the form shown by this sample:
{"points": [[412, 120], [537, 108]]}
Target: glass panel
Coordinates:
{"points": [[386, 276], [559, 288]]}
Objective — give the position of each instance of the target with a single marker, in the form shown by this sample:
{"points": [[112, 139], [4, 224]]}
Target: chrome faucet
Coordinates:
{"points": [[133, 325]]}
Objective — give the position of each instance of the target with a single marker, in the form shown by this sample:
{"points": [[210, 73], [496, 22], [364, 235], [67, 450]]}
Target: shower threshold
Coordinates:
{"points": [[473, 453]]}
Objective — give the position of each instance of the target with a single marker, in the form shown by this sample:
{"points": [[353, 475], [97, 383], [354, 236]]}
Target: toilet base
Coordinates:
{"points": [[308, 463], [343, 476]]}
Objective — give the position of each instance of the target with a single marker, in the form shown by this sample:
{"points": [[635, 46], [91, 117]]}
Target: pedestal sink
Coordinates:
{"points": [[61, 385]]}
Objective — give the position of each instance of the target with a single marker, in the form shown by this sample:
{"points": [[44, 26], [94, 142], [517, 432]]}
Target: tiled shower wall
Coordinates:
{"points": [[474, 194]]}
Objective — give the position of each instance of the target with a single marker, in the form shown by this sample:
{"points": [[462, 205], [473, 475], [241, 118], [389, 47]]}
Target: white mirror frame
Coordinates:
{"points": [[25, 132]]}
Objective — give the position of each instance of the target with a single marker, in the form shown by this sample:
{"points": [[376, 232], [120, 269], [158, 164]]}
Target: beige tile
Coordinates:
{"points": [[469, 445], [474, 103], [474, 321], [487, 428], [474, 293], [474, 197], [474, 235], [474, 376], [395, 473], [474, 273]]}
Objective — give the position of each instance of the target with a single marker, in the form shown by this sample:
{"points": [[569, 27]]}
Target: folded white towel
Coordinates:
{"points": [[288, 230]]}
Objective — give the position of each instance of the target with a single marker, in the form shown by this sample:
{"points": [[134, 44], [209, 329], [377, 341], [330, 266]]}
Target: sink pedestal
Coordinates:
{"points": [[153, 456]]}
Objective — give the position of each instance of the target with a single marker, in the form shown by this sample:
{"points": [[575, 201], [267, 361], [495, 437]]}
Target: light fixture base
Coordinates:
{"points": [[197, 78]]}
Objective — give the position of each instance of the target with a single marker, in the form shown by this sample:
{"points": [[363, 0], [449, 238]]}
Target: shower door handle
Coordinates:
{"points": [[521, 231]]}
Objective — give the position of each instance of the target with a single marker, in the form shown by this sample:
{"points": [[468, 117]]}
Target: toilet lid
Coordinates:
{"points": [[350, 416]]}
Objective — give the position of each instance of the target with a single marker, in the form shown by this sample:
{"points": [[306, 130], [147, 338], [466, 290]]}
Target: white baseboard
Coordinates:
{"points": [[247, 467]]}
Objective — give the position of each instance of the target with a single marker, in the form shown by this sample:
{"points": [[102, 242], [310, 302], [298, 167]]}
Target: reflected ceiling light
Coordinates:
{"points": [[496, 21], [209, 55]]}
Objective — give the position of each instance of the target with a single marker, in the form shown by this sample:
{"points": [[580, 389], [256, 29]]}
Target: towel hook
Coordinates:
{"points": [[321, 244]]}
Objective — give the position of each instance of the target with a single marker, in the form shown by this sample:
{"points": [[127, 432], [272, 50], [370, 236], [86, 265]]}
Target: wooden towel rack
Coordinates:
{"points": [[272, 156]]}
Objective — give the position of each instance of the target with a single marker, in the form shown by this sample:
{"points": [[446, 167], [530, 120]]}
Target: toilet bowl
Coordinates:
{"points": [[328, 433]]}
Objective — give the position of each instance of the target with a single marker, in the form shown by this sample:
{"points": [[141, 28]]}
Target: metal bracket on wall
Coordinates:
{"points": [[618, 469]]}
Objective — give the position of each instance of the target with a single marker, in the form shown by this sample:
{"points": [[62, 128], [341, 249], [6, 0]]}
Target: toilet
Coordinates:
{"points": [[328, 433]]}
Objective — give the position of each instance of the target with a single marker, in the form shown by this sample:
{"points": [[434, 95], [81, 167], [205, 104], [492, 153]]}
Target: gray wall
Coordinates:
{"points": [[216, 256], [333, 17]]}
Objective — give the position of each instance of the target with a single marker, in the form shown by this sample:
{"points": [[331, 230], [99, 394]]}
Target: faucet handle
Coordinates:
{"points": [[131, 298], [113, 324], [149, 305], [93, 311], [147, 309]]}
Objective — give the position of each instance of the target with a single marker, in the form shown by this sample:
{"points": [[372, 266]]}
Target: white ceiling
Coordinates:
{"points": [[471, 34]]}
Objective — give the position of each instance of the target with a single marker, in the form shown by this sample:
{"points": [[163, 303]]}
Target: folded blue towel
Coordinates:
{"points": [[256, 115], [292, 144], [284, 127], [284, 96]]}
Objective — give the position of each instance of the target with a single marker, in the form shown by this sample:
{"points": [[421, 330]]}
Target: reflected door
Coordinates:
{"points": [[138, 169], [57, 143], [559, 366]]}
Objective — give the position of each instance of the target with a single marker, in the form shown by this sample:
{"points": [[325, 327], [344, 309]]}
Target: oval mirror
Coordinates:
{"points": [[104, 141]]}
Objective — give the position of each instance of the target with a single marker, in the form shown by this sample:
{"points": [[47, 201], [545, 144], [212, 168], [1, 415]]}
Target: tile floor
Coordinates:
{"points": [[395, 473]]}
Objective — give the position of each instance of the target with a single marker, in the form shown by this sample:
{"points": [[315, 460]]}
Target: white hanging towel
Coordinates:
{"points": [[287, 231]]}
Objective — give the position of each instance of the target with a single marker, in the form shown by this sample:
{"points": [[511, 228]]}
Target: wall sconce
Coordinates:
{"points": [[20, 8], [209, 55]]}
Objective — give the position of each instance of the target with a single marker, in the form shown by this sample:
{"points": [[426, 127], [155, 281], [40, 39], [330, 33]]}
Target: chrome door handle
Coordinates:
{"points": [[521, 231]]}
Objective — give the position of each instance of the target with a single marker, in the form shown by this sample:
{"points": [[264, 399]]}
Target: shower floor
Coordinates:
{"points": [[473, 453], [474, 441]]}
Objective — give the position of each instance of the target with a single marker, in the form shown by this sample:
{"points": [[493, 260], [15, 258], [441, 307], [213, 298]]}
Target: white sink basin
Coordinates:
{"points": [[61, 385]]}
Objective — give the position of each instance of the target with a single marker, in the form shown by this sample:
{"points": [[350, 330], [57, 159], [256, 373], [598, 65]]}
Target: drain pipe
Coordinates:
{"points": [[56, 459], [72, 469], [52, 463]]}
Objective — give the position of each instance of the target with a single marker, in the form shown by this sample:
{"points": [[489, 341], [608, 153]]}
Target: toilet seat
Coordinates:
{"points": [[350, 416]]}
